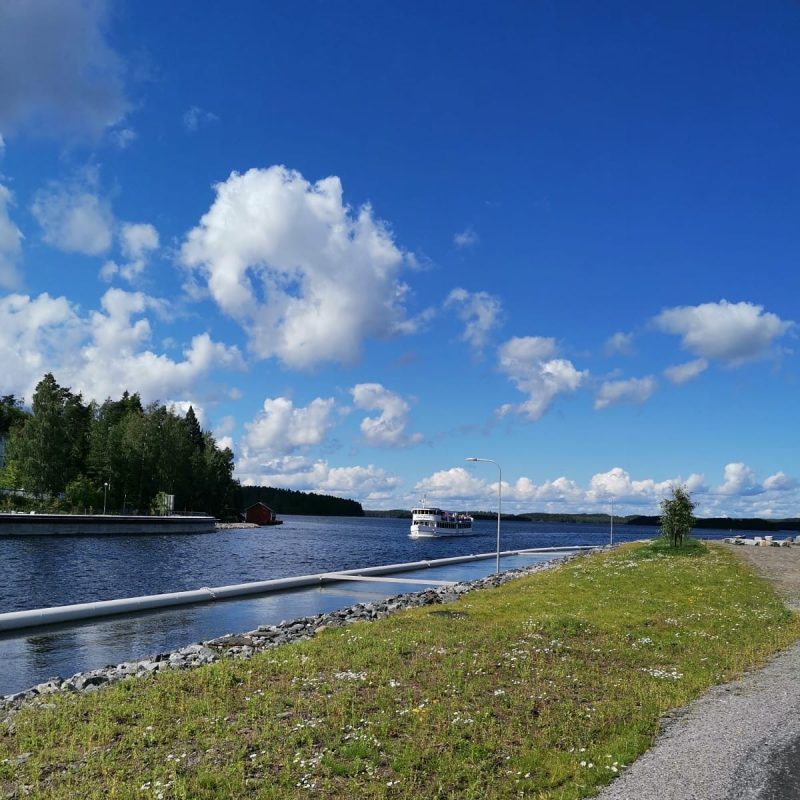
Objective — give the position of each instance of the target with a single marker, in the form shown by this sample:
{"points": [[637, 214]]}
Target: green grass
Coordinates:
{"points": [[546, 687]]}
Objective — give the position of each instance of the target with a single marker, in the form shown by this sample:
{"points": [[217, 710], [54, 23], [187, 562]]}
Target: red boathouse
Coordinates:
{"points": [[261, 514]]}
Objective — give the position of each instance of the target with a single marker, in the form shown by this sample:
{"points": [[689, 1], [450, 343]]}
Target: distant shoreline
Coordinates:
{"points": [[701, 523]]}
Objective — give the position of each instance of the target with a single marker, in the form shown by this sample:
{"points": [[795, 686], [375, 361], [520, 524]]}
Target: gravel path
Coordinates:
{"points": [[740, 741]]}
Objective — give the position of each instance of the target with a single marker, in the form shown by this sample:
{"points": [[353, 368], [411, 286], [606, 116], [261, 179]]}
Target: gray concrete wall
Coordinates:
{"points": [[72, 524]]}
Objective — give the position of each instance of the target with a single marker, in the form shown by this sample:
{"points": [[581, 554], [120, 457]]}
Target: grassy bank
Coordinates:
{"points": [[546, 687]]}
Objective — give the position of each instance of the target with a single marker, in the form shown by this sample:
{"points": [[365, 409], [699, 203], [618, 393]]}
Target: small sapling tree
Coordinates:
{"points": [[676, 515]]}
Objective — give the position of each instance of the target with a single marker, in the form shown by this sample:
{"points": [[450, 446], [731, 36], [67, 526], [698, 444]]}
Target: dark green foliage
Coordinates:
{"points": [[286, 501], [12, 414], [676, 516], [70, 450], [48, 450]]}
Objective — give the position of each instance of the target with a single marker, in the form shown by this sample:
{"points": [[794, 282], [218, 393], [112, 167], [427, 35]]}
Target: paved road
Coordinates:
{"points": [[740, 741]]}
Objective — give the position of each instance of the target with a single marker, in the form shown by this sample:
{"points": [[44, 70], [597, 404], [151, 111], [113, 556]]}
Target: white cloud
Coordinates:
{"points": [[181, 408], [102, 354], [619, 344], [137, 241], [779, 482], [2, 146], [362, 483], [617, 484], [453, 484], [479, 311], [223, 431], [74, 218], [559, 490], [739, 479], [731, 332], [467, 238], [10, 243], [388, 429], [683, 373], [632, 390], [528, 362], [458, 487], [117, 358], [35, 335], [327, 274], [59, 72], [281, 428], [195, 117]]}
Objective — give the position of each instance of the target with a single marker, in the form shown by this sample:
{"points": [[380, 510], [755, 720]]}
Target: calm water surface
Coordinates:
{"points": [[37, 572], [41, 571]]}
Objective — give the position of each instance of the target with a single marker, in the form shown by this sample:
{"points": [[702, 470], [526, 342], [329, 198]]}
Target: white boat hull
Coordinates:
{"points": [[433, 523], [427, 532]]}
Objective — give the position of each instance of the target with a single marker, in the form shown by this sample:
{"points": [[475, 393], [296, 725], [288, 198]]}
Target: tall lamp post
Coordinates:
{"points": [[612, 521], [499, 502], [105, 495]]}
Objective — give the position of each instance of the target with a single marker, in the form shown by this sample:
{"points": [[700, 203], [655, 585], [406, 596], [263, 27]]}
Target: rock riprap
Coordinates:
{"points": [[245, 645]]}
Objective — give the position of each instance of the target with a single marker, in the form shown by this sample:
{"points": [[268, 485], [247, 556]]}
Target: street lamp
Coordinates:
{"points": [[105, 495], [612, 521], [499, 502]]}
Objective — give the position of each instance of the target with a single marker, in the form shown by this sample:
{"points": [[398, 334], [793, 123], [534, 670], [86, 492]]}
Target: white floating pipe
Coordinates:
{"points": [[14, 620]]}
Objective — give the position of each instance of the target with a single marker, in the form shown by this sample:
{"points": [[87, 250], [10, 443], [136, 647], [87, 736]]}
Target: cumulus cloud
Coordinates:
{"points": [[619, 344], [479, 311], [367, 484], [453, 484], [74, 218], [738, 479], [779, 482], [530, 365], [137, 242], [683, 373], [281, 428], [35, 333], [632, 390], [467, 238], [559, 490], [60, 75], [458, 487], [195, 117], [617, 484], [730, 332], [777, 496], [118, 349], [388, 429], [10, 243], [328, 275], [99, 353]]}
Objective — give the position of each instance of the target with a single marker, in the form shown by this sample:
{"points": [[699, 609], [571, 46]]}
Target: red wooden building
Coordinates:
{"points": [[261, 514]]}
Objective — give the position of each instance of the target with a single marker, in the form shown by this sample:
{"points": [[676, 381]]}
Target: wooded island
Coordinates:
{"points": [[120, 456]]}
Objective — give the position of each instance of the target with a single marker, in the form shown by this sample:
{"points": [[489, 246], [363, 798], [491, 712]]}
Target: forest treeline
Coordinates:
{"points": [[62, 454], [288, 501], [68, 455], [711, 523]]}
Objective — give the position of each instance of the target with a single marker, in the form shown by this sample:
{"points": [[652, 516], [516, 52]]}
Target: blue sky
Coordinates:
{"points": [[369, 240]]}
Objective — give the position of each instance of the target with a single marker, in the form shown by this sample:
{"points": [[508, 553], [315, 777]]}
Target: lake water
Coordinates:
{"points": [[37, 572]]}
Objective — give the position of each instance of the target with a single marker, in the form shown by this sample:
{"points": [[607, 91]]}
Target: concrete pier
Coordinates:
{"points": [[100, 524]]}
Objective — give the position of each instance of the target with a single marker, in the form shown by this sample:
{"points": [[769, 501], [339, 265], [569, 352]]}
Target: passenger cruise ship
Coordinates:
{"points": [[433, 522]]}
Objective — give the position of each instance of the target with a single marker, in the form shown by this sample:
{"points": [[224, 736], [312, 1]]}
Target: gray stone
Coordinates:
{"points": [[84, 683]]}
